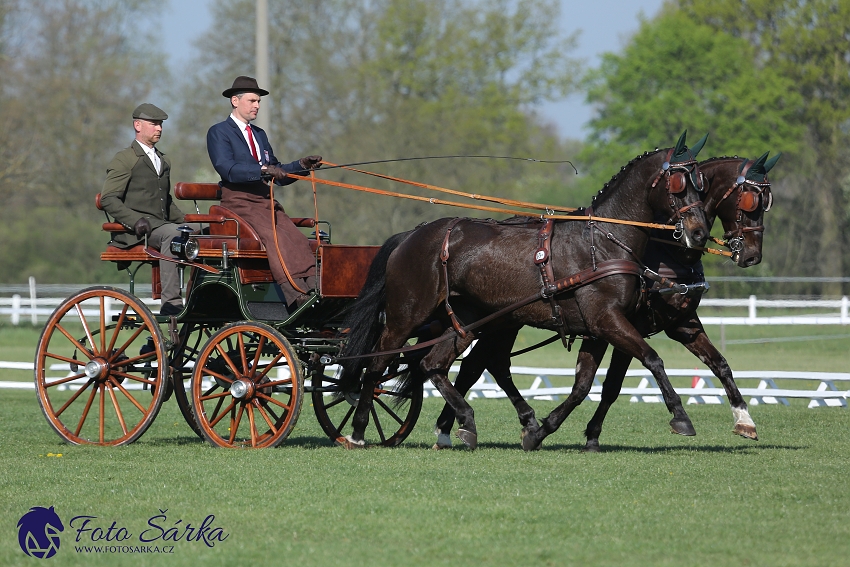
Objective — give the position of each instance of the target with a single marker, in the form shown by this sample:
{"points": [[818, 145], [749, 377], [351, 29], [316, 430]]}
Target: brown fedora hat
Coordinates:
{"points": [[244, 84]]}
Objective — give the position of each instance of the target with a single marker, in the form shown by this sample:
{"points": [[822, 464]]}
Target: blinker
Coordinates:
{"points": [[677, 183], [749, 201]]}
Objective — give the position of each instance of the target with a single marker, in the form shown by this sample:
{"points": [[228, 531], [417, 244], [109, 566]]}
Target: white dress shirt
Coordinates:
{"points": [[244, 129]]}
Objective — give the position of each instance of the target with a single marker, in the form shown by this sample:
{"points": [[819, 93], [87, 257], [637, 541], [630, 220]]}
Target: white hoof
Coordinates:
{"points": [[444, 441]]}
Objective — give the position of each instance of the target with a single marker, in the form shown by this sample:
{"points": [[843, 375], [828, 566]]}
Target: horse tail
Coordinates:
{"points": [[363, 320]]}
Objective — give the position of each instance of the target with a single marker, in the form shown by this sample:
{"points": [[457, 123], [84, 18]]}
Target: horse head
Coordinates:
{"points": [[739, 195], [676, 191]]}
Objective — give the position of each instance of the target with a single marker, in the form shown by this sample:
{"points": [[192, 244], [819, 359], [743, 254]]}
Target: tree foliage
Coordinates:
{"points": [[356, 81], [73, 70]]}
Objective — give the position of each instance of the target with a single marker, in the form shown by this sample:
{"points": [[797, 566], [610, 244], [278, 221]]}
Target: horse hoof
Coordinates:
{"points": [[529, 441], [350, 443], [592, 447], [469, 438], [444, 441], [746, 431], [682, 427]]}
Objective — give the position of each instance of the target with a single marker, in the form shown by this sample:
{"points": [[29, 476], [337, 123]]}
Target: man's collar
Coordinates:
{"points": [[238, 121]]}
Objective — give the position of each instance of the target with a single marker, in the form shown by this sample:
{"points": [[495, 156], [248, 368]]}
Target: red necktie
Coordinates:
{"points": [[251, 143]]}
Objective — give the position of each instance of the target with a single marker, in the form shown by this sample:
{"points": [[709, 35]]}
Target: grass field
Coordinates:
{"points": [[651, 498]]}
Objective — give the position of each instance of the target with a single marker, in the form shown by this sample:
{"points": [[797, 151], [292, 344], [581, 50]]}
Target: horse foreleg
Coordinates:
{"points": [[626, 338], [692, 335], [610, 392], [589, 357]]}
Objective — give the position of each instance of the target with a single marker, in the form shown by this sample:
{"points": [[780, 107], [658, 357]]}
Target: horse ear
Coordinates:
{"points": [[698, 146], [680, 145], [760, 160], [768, 165]]}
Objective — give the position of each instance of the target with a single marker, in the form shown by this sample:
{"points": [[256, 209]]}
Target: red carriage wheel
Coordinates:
{"points": [[247, 387], [109, 350], [393, 413]]}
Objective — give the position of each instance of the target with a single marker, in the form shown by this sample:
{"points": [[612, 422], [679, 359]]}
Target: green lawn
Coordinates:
{"points": [[651, 498]]}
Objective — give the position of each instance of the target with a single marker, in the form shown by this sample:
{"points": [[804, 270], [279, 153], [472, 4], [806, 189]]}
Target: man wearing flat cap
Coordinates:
{"points": [[243, 157], [136, 194]]}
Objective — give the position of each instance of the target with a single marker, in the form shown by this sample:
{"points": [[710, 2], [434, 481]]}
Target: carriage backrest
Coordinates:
{"points": [[197, 191]]}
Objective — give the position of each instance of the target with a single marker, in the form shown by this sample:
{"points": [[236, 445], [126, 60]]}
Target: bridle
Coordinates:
{"points": [[676, 181], [751, 194]]}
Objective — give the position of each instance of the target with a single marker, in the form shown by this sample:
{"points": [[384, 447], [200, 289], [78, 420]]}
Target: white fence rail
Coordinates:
{"points": [[19, 308], [830, 390]]}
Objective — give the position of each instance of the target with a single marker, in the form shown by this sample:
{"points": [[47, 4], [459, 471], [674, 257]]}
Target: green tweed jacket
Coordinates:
{"points": [[133, 190]]}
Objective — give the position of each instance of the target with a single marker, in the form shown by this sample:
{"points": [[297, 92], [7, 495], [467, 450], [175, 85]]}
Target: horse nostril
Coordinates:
{"points": [[752, 260], [699, 236]]}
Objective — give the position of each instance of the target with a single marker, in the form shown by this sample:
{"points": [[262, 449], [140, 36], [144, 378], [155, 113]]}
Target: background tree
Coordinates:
{"points": [[357, 81], [74, 72], [809, 44]]}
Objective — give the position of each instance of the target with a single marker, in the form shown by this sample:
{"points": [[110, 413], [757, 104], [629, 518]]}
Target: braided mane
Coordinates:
{"points": [[603, 193]]}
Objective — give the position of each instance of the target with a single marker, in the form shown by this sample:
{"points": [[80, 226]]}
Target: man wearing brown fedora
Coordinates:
{"points": [[243, 157], [136, 194]]}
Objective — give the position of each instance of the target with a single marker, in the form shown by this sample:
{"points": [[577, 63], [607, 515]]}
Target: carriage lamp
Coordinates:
{"points": [[323, 236], [184, 245]]}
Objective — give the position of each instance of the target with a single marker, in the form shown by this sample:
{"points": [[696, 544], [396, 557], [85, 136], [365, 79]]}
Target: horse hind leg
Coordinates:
{"points": [[611, 388], [435, 365], [590, 356]]}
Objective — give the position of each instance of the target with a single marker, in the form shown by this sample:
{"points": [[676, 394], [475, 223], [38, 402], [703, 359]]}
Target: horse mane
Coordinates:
{"points": [[718, 158], [606, 190]]}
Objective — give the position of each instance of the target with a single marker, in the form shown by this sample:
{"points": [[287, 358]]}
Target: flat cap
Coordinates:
{"points": [[147, 111]]}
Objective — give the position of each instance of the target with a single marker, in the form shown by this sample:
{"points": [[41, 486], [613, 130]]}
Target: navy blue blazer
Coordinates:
{"points": [[232, 159]]}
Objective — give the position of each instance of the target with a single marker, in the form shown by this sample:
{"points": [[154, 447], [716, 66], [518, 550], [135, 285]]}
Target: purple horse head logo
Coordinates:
{"points": [[38, 532]]}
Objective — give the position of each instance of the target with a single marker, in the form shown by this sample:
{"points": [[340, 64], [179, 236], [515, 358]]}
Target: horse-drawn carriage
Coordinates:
{"points": [[236, 361]]}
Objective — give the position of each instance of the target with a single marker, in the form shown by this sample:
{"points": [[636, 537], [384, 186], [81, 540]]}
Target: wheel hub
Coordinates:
{"points": [[97, 369], [242, 389]]}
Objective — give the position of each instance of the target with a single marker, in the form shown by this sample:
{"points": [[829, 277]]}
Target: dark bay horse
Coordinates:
{"points": [[738, 193], [452, 271]]}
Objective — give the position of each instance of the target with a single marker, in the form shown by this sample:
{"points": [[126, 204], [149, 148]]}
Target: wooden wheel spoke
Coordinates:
{"points": [[274, 401], [234, 423], [257, 354], [117, 328], [217, 418], [214, 396], [388, 410], [74, 397], [118, 411], [103, 325], [335, 402], [345, 419], [276, 383], [378, 425], [135, 335], [266, 418], [85, 411], [101, 422], [134, 378], [124, 391], [392, 393], [266, 409], [74, 341], [253, 425], [227, 360], [141, 358], [79, 308], [64, 380], [208, 372], [268, 367], [64, 359], [242, 354]]}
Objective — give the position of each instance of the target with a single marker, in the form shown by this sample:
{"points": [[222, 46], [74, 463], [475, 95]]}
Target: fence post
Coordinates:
{"points": [[16, 309], [33, 314], [844, 308], [752, 310]]}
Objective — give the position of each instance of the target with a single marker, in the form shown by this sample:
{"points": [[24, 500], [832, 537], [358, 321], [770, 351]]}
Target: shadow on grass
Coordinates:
{"points": [[304, 442]]}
